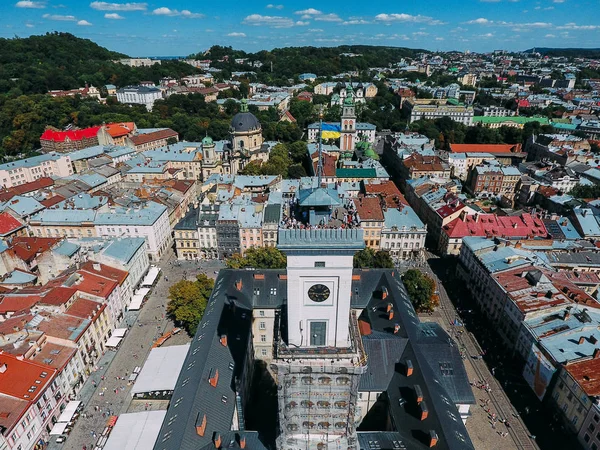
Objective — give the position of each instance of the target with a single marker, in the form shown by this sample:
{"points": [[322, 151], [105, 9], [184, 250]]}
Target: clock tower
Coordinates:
{"points": [[348, 122], [319, 356]]}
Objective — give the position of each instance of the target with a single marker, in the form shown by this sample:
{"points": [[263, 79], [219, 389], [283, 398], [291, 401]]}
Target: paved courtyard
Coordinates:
{"points": [[106, 392]]}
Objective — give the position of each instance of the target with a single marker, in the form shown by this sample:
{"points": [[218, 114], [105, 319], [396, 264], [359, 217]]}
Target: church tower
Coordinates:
{"points": [[348, 122], [319, 356]]}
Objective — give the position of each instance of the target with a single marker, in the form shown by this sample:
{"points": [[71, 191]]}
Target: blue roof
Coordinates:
{"points": [[123, 249], [64, 216], [19, 277], [22, 205], [31, 162], [405, 218], [92, 180], [89, 152], [117, 151], [319, 197], [82, 201], [587, 221], [148, 167], [174, 152], [143, 216], [67, 248]]}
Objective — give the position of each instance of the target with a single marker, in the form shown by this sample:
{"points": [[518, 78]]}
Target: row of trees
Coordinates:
{"points": [[289, 161]]}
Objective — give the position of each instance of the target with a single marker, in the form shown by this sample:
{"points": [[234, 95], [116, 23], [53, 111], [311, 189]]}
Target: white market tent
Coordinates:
{"points": [[136, 303], [58, 428], [136, 431], [142, 291], [151, 276], [69, 411], [114, 341], [120, 332], [161, 369]]}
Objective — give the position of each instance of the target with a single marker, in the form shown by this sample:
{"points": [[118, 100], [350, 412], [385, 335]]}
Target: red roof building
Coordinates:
{"points": [[388, 191], [26, 188], [156, 139], [9, 225], [67, 141], [485, 148], [26, 248], [524, 226]]}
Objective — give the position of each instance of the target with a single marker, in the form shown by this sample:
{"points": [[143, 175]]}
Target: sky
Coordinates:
{"points": [[183, 27]]}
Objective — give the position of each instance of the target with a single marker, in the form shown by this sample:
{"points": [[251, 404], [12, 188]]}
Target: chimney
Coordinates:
{"points": [[224, 340], [433, 438], [214, 378], [384, 293], [243, 442], [201, 428], [389, 307], [581, 340], [97, 267], [396, 328], [3, 368], [409, 368], [593, 339], [423, 411], [596, 353], [418, 393], [217, 440], [567, 315], [391, 315], [238, 285]]}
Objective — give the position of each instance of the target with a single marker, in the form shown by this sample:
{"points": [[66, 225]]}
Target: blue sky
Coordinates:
{"points": [[181, 27]]}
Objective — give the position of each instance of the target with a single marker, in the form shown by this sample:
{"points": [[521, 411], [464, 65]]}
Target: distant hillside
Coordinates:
{"points": [[323, 61], [592, 53], [38, 64]]}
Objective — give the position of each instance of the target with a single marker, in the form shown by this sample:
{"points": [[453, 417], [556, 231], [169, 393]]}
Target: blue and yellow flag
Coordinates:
{"points": [[330, 131]]}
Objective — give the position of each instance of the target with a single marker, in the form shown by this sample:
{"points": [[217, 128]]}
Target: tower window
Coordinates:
{"points": [[319, 263]]}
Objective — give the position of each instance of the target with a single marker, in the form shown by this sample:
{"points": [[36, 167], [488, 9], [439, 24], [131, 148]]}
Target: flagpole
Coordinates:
{"points": [[320, 163]]}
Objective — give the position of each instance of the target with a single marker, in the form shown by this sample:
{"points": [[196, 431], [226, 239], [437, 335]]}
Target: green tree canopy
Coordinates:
{"points": [[585, 191], [258, 258], [421, 289], [187, 301], [371, 259]]}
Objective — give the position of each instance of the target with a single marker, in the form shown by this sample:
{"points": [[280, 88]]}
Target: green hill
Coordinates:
{"points": [[38, 64], [592, 53]]}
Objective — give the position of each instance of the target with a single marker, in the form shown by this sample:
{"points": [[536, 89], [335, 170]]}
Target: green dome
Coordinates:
{"points": [[370, 153], [348, 101], [207, 141]]}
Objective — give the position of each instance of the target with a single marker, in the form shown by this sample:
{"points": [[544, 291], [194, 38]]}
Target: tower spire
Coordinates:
{"points": [[320, 162]]}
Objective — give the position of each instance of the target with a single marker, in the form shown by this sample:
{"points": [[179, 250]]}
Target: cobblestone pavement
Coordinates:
{"points": [[106, 391]]}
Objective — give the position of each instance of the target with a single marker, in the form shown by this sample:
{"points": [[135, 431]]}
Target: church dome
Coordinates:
{"points": [[244, 121], [207, 141]]}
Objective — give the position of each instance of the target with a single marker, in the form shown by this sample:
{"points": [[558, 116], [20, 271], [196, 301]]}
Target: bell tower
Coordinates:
{"points": [[348, 121], [318, 365]]}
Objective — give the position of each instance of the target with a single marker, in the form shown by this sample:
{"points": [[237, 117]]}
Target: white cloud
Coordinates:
{"points": [[237, 35], [328, 18], [300, 23], [356, 22], [164, 11], [550, 36], [401, 37], [574, 26], [315, 30], [271, 6], [487, 35], [269, 21], [439, 38], [407, 18], [113, 16], [59, 17], [489, 1], [480, 21], [84, 23], [105, 6], [29, 25], [558, 1], [30, 4], [309, 12]]}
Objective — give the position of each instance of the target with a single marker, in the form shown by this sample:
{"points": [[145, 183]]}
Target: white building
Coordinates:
{"points": [[30, 169], [403, 233], [150, 221], [138, 62], [139, 95], [458, 113]]}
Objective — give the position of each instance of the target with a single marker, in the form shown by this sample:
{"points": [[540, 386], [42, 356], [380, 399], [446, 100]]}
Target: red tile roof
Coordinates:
{"points": [[485, 148], [21, 376], [329, 163], [86, 309], [369, 209], [53, 200], [73, 135], [25, 188], [12, 303], [95, 285], [587, 375], [105, 271], [142, 139], [389, 191], [119, 129], [525, 225], [58, 296], [54, 355], [26, 248], [63, 326], [9, 224]]}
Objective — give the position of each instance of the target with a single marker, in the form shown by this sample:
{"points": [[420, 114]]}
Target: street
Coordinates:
{"points": [[106, 391]]}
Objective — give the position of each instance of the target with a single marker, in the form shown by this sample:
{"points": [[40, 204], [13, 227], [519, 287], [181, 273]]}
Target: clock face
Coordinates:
{"points": [[318, 293]]}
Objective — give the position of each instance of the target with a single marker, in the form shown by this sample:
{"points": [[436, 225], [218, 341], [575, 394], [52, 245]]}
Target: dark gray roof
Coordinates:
{"points": [[321, 239], [384, 351], [380, 440], [228, 313], [272, 213], [443, 356], [233, 439], [189, 221], [244, 121]]}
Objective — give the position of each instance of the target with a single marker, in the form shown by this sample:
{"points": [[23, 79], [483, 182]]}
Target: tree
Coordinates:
{"points": [[371, 259], [258, 258], [421, 289], [585, 191], [187, 301]]}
